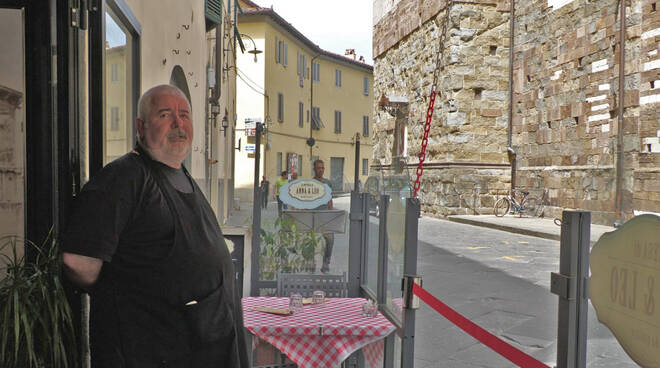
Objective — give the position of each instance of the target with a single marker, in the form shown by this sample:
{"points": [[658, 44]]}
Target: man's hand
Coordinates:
{"points": [[81, 270]]}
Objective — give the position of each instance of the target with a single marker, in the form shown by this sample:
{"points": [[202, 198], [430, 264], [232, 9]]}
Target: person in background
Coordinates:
{"points": [[265, 184], [319, 170], [144, 242], [283, 179]]}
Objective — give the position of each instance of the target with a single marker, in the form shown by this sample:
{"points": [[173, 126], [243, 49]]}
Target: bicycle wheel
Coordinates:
{"points": [[501, 207], [530, 205]]}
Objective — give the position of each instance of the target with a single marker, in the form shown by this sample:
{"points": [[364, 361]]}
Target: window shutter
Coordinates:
{"points": [[305, 73], [365, 86], [286, 53], [277, 49], [213, 12], [299, 65]]}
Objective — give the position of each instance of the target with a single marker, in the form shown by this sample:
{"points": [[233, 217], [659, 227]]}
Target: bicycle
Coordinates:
{"points": [[527, 204]]}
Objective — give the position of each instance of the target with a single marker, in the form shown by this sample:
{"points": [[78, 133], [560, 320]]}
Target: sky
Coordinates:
{"points": [[333, 25]]}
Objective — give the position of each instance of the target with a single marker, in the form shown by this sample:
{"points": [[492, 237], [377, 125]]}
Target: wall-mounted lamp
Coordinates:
{"points": [[225, 125], [254, 51]]}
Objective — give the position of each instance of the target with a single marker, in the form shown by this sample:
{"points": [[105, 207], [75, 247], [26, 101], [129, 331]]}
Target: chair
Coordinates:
{"points": [[335, 286]]}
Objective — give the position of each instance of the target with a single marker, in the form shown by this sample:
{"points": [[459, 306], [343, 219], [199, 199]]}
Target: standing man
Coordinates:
{"points": [[283, 179], [265, 184], [319, 169], [145, 243]]}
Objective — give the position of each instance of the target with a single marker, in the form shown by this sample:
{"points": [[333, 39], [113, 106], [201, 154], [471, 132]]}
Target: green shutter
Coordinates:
{"points": [[213, 11]]}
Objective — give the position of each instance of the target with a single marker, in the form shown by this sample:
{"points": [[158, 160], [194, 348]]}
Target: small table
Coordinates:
{"points": [[322, 335]]}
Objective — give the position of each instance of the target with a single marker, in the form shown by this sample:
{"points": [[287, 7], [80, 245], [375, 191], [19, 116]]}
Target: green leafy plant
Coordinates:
{"points": [[36, 323], [285, 248]]}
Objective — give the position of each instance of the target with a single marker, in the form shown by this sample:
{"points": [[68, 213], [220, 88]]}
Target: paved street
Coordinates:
{"points": [[499, 280]]}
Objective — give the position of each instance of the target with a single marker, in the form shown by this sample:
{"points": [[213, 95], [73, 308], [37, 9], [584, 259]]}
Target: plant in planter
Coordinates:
{"points": [[284, 248], [36, 323]]}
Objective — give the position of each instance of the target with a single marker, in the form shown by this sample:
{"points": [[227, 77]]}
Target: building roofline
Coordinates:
{"points": [[249, 14]]}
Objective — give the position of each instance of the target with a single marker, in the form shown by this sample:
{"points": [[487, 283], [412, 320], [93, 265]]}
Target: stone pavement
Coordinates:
{"points": [[532, 226]]}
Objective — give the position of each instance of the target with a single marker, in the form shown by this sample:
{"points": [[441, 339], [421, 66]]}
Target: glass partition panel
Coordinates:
{"points": [[306, 242], [12, 124], [118, 132], [395, 232]]}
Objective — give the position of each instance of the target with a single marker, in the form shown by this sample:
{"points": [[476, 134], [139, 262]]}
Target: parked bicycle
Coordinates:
{"points": [[528, 204]]}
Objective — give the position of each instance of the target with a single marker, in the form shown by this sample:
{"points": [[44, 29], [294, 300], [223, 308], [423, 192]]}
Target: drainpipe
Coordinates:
{"points": [[511, 153], [621, 100], [311, 108]]}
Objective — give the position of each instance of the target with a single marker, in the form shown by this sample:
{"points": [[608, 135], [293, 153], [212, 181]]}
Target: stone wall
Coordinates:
{"points": [[466, 164], [566, 106], [565, 128]]}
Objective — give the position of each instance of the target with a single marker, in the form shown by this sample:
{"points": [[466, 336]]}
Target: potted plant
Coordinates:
{"points": [[285, 248], [36, 322]]}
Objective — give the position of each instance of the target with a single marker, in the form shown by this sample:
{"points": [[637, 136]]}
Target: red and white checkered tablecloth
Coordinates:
{"points": [[322, 335]]}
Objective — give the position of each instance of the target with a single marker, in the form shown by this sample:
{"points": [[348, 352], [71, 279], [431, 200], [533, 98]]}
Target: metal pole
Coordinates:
{"points": [[621, 101], [256, 216], [357, 162], [410, 269], [571, 286], [355, 237]]}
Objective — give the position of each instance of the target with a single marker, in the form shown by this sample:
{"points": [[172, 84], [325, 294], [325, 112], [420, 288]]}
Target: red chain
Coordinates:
{"points": [[439, 65], [425, 141]]}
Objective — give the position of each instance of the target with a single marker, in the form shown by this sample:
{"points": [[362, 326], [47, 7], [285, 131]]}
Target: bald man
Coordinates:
{"points": [[143, 240]]}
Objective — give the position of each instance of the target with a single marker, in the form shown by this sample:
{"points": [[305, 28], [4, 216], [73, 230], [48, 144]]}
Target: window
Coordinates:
{"points": [[120, 96], [280, 107], [299, 64], [114, 72], [285, 51], [300, 162], [365, 166], [278, 50], [114, 118], [316, 72], [337, 78], [365, 86], [279, 163], [301, 109], [305, 71], [316, 118], [365, 126], [337, 121], [13, 198], [314, 158]]}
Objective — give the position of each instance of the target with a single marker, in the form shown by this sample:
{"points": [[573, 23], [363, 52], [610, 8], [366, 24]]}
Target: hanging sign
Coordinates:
{"points": [[625, 286], [305, 193], [249, 147]]}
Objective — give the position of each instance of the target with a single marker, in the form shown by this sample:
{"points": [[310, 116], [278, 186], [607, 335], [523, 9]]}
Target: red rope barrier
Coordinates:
{"points": [[514, 355]]}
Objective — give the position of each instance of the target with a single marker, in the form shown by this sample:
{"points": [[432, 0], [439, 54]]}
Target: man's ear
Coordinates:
{"points": [[139, 124]]}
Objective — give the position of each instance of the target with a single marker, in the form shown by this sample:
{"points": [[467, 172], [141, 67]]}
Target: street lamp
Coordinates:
{"points": [[254, 51]]}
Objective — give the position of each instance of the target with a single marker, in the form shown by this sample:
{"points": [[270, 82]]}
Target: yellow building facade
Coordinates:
{"points": [[298, 91]]}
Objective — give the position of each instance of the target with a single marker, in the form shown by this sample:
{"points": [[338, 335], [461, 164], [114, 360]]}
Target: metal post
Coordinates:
{"points": [[256, 216], [571, 286], [383, 246], [357, 163], [355, 237], [410, 269]]}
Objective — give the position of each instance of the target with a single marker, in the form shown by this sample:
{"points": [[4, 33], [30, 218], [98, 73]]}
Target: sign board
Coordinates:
{"points": [[625, 286], [251, 126], [305, 193], [249, 147]]}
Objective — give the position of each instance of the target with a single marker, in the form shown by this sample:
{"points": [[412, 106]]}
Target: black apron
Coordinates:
{"points": [[180, 311]]}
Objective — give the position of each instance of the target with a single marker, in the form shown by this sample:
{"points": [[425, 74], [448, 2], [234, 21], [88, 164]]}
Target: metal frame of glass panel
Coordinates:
{"points": [[405, 323]]}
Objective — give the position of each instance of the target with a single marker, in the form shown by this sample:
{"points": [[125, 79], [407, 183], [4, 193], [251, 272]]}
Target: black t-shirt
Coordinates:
{"points": [[121, 213]]}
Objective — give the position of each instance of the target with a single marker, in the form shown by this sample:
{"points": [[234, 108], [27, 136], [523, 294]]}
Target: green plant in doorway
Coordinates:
{"points": [[36, 322], [285, 248]]}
